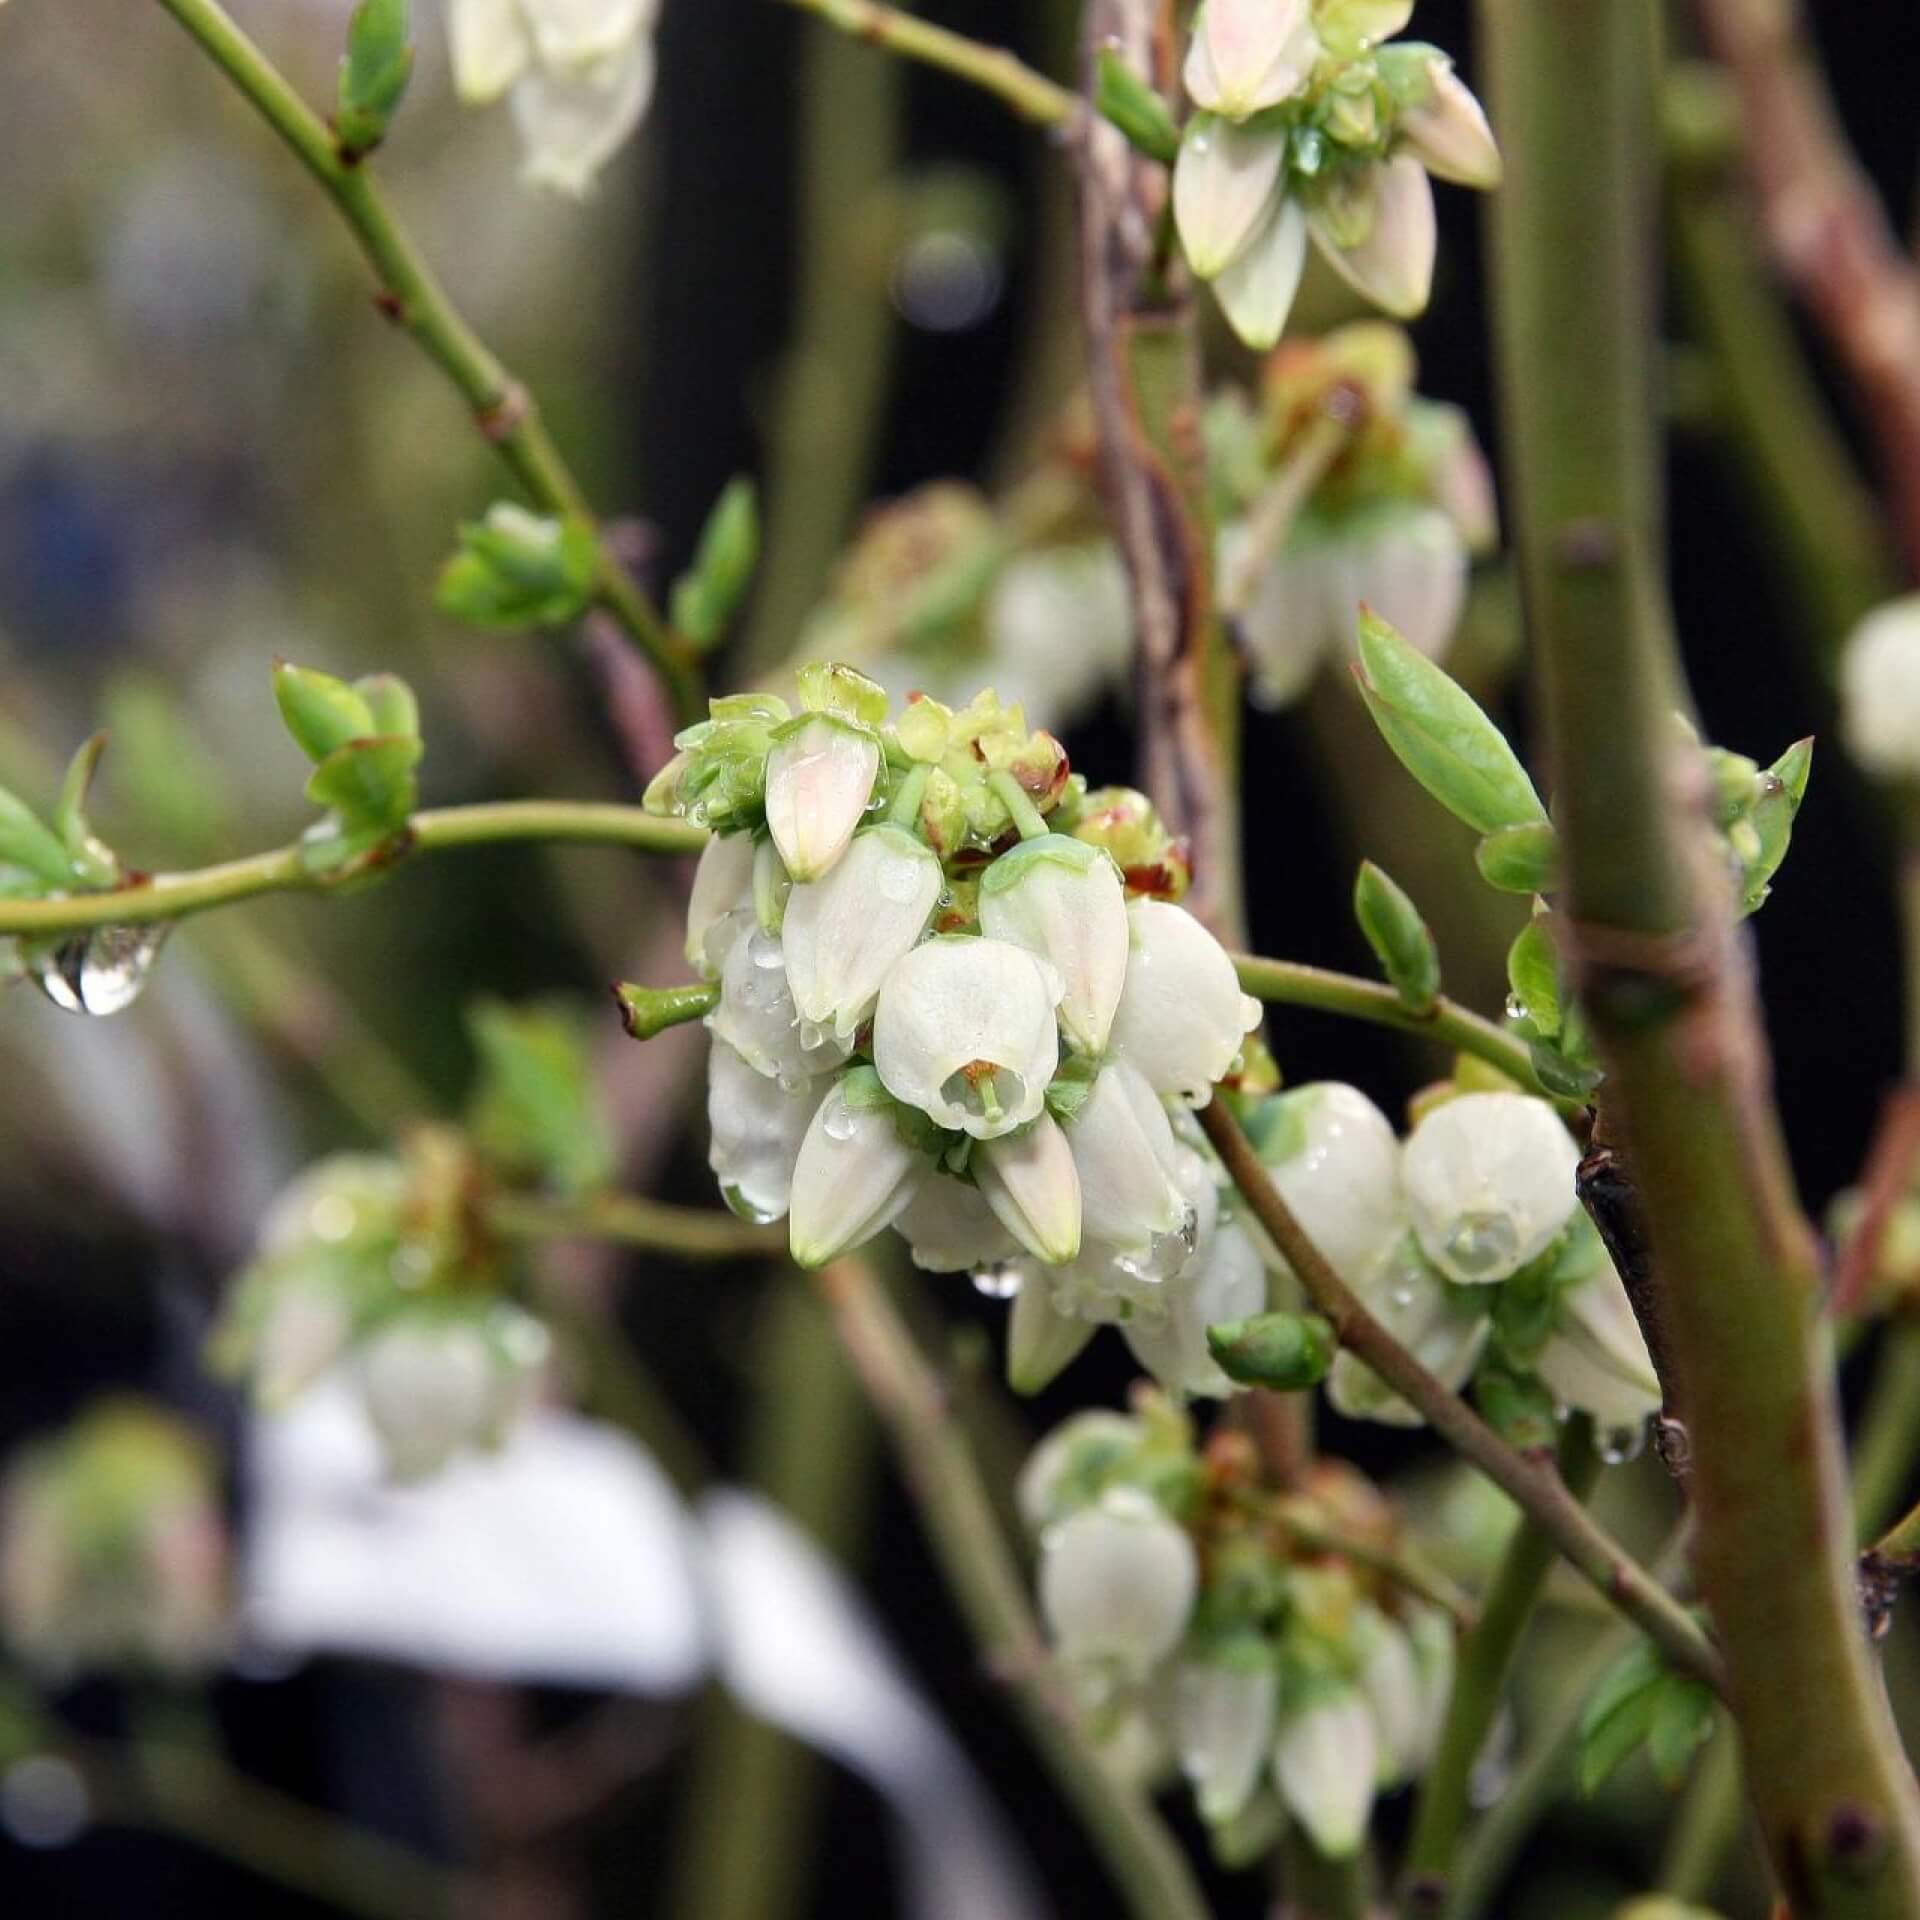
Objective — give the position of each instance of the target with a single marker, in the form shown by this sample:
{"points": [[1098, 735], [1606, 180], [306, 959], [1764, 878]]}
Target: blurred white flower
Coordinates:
{"points": [[1044, 1490], [1223, 1725], [1246, 55], [1880, 690], [1596, 1359], [1391, 264], [1391, 1681], [1325, 1764], [1226, 1280], [949, 1228], [1444, 1327], [437, 1384], [1117, 1582], [1182, 1016], [819, 778], [1447, 132]]}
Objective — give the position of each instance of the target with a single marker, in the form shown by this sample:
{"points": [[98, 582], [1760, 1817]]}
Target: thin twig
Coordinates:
{"points": [[1307, 1526], [689, 1233], [1537, 1489]]}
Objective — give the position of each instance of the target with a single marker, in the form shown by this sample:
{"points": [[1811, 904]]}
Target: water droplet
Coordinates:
{"points": [[332, 1217], [737, 1202], [1402, 1297], [1516, 1007], [997, 1283], [1617, 1445], [100, 972], [1482, 1243], [764, 951], [840, 1123]]}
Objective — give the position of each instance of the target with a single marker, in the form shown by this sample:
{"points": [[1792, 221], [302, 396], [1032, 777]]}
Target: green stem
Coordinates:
{"points": [[904, 809], [648, 1011], [1485, 1661], [1693, 1862], [173, 896], [413, 298], [1649, 935], [1321, 1889], [689, 1233], [1536, 1488], [1014, 797], [1142, 1856], [1031, 95]]}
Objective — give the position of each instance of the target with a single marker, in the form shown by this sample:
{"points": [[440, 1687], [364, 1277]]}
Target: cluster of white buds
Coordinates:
{"points": [[1195, 1635], [112, 1548], [377, 1264], [1469, 1243], [578, 75], [952, 998], [1307, 127], [1880, 691], [1392, 520]]}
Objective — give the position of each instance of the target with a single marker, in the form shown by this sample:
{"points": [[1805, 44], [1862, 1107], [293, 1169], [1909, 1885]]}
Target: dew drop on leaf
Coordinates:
{"points": [[101, 972]]}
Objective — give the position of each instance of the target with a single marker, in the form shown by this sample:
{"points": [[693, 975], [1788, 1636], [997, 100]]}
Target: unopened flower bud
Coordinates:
{"points": [[1447, 132], [1282, 1351], [1031, 1182], [1123, 1146], [1596, 1360], [964, 1030], [1391, 264], [755, 1126], [1223, 1721], [722, 881], [842, 934], [1247, 55], [820, 775], [1335, 1160], [1117, 1582], [854, 1176], [1880, 690], [1182, 1016], [1325, 1764], [1062, 899], [1444, 1327], [1489, 1184], [1223, 183], [429, 1384], [949, 1228], [1256, 288], [1042, 1340], [1390, 1680]]}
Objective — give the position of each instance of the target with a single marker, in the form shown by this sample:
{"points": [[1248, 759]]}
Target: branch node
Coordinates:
{"points": [[501, 419]]}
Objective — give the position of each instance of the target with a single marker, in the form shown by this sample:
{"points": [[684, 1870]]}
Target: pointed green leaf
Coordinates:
{"points": [[321, 712], [1523, 859], [391, 704], [1400, 939], [1683, 1719], [1533, 974], [707, 595], [26, 842], [1124, 98]]}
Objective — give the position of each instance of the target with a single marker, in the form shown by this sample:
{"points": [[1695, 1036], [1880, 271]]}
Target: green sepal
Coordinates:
{"points": [[1523, 859], [373, 75], [1405, 69], [1440, 735], [1122, 97], [837, 691], [1283, 1351], [320, 711], [1401, 940], [518, 569], [706, 597], [1072, 1082], [390, 703], [1057, 849], [369, 783]]}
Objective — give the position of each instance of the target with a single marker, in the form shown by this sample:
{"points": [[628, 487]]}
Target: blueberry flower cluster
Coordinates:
{"points": [[1306, 127], [1195, 1633], [953, 996]]}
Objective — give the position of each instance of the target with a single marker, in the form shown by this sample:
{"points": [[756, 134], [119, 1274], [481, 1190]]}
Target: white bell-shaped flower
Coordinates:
{"points": [[722, 883], [1390, 1680], [429, 1387], [1880, 690], [949, 1228], [755, 1126], [1223, 1726], [819, 779], [1048, 1486], [490, 44], [307, 1327], [1182, 1016], [756, 1015], [1596, 1359], [1043, 1340], [1447, 132], [1444, 1327], [573, 119], [1224, 182], [574, 33], [1063, 900], [1118, 1582], [1283, 622], [1325, 1763], [1124, 1148], [854, 1177], [1246, 55], [1393, 265], [1225, 1280], [1335, 1160], [1256, 287], [1032, 1183], [1489, 1182], [964, 1030], [842, 933], [1408, 564]]}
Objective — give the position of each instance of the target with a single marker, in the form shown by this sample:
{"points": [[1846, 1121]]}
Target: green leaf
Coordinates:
{"points": [[1123, 97], [369, 783], [519, 569], [1283, 1351], [1523, 859], [373, 75], [536, 1112], [1533, 975], [391, 704], [1793, 768], [1683, 1721], [26, 842], [1440, 735], [1563, 1076], [321, 712], [707, 595], [1400, 939], [1619, 1714], [1761, 840]]}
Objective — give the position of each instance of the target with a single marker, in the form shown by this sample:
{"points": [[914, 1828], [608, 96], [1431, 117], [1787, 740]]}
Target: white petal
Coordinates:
{"points": [[1880, 690], [1444, 1328], [1123, 1146], [1407, 564], [1489, 1181], [490, 46], [306, 1329], [1117, 1582], [950, 1228], [819, 779], [1071, 911], [572, 120], [1249, 54], [756, 1015], [722, 882], [574, 33], [1283, 622], [1031, 1182], [429, 1391], [1448, 132], [842, 933], [1223, 1718], [1223, 182], [1042, 1342], [1256, 289], [755, 1128], [854, 1177], [1335, 1159], [1324, 1765], [1182, 1016], [1390, 1679], [1597, 1358], [1227, 1280], [964, 1030], [1393, 265]]}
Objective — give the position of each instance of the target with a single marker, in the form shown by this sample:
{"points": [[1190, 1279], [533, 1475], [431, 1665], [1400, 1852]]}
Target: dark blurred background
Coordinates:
{"points": [[213, 453]]}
